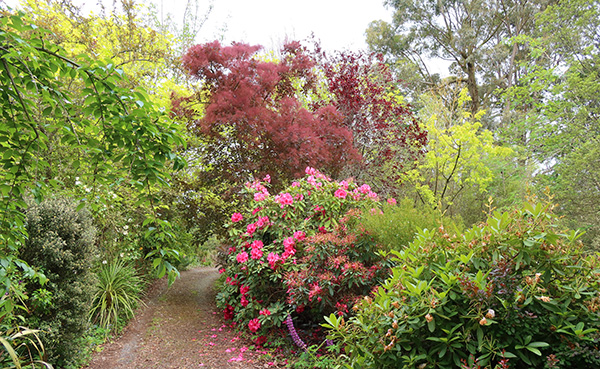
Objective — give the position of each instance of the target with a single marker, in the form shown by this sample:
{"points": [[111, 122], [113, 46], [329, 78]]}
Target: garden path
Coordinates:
{"points": [[180, 327]]}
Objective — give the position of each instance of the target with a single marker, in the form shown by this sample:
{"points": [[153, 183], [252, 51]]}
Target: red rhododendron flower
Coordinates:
{"points": [[244, 289], [254, 325], [244, 301], [261, 340], [265, 312], [236, 217]]}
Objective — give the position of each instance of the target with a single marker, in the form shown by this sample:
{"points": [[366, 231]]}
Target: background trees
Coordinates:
{"points": [[468, 33]]}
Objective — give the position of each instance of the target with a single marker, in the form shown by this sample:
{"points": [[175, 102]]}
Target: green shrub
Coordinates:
{"points": [[512, 291], [399, 223], [116, 296], [61, 243]]}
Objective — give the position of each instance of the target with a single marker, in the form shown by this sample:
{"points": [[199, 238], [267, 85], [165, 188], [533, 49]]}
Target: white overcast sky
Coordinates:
{"points": [[339, 24]]}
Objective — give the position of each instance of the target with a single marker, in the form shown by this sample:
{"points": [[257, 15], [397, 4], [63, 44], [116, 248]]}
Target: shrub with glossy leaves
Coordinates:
{"points": [[61, 242], [299, 251], [513, 291]]}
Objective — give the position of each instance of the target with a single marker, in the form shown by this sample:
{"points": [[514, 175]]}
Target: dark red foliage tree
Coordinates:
{"points": [[254, 122], [385, 131]]}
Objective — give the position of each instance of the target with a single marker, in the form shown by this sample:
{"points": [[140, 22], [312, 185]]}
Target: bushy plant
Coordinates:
{"points": [[61, 242], [399, 223], [299, 251], [117, 292], [513, 292]]}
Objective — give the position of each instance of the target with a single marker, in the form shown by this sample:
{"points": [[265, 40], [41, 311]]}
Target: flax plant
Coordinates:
{"points": [[117, 294]]}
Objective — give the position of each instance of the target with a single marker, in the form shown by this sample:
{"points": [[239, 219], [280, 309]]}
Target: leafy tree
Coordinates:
{"points": [[112, 135], [460, 157], [557, 114], [385, 131], [253, 121], [469, 33]]}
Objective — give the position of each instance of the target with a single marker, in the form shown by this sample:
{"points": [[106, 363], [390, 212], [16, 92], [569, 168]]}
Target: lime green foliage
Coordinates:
{"points": [[459, 155], [513, 288], [398, 224], [117, 292], [61, 242], [22, 348]]}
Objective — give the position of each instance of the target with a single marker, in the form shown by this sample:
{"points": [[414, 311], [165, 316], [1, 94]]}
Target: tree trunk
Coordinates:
{"points": [[472, 87]]}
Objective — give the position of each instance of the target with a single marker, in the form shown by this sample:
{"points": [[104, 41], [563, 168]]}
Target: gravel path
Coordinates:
{"points": [[180, 328]]}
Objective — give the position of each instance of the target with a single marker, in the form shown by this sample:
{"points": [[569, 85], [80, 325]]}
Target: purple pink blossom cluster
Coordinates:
{"points": [[269, 243]]}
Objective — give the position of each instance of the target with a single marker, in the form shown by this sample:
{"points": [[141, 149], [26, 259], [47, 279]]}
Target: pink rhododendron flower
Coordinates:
{"points": [[256, 210], [284, 199], [391, 201], [299, 235], [254, 325], [343, 185], [265, 312], [259, 196], [242, 257], [222, 270], [272, 258], [372, 195], [311, 171], [258, 244], [251, 228], [267, 178], [299, 197], [312, 181], [340, 193], [364, 189], [288, 242], [256, 254], [262, 221], [295, 184], [236, 217]]}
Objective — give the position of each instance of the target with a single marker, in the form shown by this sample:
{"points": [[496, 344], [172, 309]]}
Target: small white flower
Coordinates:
{"points": [[126, 227], [122, 255], [104, 261]]}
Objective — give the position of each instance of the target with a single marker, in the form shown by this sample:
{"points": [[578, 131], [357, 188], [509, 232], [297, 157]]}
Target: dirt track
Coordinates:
{"points": [[180, 328]]}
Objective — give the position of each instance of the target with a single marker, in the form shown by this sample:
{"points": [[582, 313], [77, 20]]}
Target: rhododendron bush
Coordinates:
{"points": [[301, 251], [514, 292]]}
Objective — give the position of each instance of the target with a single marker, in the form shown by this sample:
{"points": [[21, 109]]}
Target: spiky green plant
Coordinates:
{"points": [[118, 290]]}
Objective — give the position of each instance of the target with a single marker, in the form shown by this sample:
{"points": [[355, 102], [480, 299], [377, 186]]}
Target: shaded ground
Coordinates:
{"points": [[180, 328]]}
